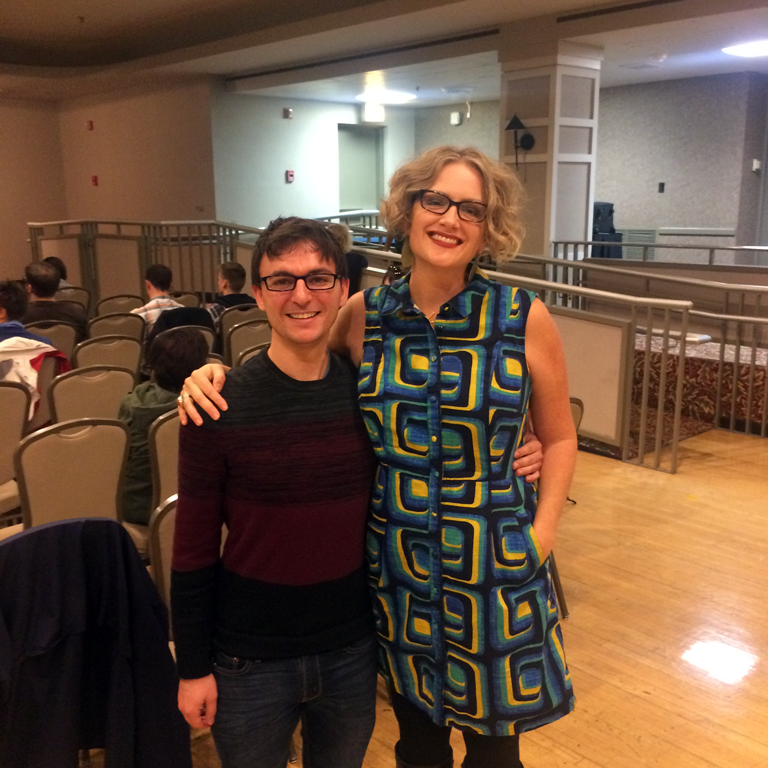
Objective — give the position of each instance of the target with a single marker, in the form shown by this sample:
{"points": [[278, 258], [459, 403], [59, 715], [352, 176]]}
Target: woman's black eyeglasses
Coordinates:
{"points": [[437, 202], [317, 281]]}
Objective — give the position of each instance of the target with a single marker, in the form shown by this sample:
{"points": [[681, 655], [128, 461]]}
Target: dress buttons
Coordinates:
{"points": [[434, 438], [433, 358], [433, 398]]}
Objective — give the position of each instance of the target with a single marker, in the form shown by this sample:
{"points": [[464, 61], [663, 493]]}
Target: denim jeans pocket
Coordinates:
{"points": [[231, 666], [364, 645]]}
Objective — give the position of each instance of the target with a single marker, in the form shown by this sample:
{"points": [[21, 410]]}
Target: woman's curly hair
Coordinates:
{"points": [[503, 193]]}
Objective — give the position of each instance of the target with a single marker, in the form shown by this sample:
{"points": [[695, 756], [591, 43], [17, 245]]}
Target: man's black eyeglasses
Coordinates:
{"points": [[437, 202], [317, 281]]}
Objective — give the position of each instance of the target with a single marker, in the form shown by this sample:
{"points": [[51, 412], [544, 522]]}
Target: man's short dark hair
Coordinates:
{"points": [[160, 276], [43, 278], [283, 234], [59, 264], [234, 274], [13, 299], [175, 354]]}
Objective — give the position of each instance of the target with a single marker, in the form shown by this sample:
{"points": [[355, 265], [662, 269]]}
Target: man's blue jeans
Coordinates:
{"points": [[260, 703]]}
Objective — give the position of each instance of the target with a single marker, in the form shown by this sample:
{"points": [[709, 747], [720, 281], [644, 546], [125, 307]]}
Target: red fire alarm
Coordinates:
{"points": [[94, 181], [288, 177]]}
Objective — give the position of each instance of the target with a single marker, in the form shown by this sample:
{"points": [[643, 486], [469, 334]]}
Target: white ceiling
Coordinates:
{"points": [[669, 51], [144, 41]]}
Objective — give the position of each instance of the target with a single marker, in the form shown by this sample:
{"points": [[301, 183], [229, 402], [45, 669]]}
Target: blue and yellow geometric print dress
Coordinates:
{"points": [[465, 610]]}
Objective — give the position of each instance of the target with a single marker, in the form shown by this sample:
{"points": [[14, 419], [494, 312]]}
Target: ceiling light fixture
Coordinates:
{"points": [[385, 96], [748, 50]]}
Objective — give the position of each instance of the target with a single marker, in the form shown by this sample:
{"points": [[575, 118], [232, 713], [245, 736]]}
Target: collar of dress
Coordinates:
{"points": [[398, 297]]}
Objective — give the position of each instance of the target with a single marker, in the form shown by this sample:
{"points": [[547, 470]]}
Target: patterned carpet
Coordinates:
{"points": [[689, 427]]}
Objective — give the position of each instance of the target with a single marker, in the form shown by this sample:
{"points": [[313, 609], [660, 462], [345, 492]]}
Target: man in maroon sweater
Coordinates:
{"points": [[279, 626]]}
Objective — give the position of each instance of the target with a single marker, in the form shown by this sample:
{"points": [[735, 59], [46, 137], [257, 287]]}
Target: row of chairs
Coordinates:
{"points": [[240, 329], [75, 468], [123, 302]]}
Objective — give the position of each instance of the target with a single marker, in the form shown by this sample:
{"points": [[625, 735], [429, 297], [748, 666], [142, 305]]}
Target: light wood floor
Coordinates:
{"points": [[652, 563]]}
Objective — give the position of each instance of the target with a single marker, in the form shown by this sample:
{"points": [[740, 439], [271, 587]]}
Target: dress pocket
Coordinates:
{"points": [[517, 551]]}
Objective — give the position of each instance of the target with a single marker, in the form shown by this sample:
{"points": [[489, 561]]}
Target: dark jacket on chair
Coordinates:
{"points": [[84, 657]]}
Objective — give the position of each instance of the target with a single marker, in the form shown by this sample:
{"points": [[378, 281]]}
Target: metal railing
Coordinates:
{"points": [[576, 250], [194, 249], [364, 217], [709, 297], [656, 317], [751, 334]]}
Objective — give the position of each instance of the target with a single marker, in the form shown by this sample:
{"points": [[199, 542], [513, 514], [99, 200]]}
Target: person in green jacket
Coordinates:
{"points": [[172, 357]]}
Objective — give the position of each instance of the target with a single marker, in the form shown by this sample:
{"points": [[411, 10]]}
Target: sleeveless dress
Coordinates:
{"points": [[464, 605]]}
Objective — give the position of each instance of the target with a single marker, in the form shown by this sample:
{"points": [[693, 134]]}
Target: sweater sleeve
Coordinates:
{"points": [[197, 547]]}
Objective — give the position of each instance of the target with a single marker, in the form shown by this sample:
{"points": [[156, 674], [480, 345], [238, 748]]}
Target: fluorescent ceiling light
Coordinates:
{"points": [[749, 50], [721, 661], [385, 96]]}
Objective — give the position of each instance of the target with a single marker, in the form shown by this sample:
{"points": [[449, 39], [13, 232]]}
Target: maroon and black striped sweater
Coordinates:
{"points": [[288, 467]]}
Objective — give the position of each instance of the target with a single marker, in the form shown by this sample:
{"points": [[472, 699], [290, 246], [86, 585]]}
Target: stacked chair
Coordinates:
{"points": [[117, 324], [63, 336], [14, 409], [123, 302], [75, 294], [119, 350], [92, 392], [244, 337]]}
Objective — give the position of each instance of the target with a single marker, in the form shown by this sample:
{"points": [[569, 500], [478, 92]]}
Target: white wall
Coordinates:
{"points": [[481, 131], [31, 171], [151, 150], [689, 134], [254, 146]]}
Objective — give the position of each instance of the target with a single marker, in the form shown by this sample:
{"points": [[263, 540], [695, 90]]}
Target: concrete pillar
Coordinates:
{"points": [[555, 92]]}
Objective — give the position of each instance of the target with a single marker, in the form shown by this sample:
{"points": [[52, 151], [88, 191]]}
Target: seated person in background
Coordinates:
{"points": [[62, 268], [42, 283], [172, 358], [157, 279], [13, 304], [356, 262], [22, 352], [231, 280]]}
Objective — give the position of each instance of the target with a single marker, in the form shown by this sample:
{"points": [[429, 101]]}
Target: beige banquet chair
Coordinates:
{"points": [[161, 528], [117, 324], [186, 299], [93, 392], [246, 335], [247, 354], [577, 413], [210, 336], [122, 351], [122, 302], [72, 469], [14, 407], [63, 336], [240, 313], [45, 376], [76, 294], [164, 456]]}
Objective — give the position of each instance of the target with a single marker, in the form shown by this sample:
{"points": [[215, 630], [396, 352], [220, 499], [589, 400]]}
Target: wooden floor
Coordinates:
{"points": [[652, 563]]}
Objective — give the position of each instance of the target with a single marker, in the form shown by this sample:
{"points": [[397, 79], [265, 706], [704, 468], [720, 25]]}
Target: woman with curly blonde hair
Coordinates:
{"points": [[502, 191], [450, 365]]}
